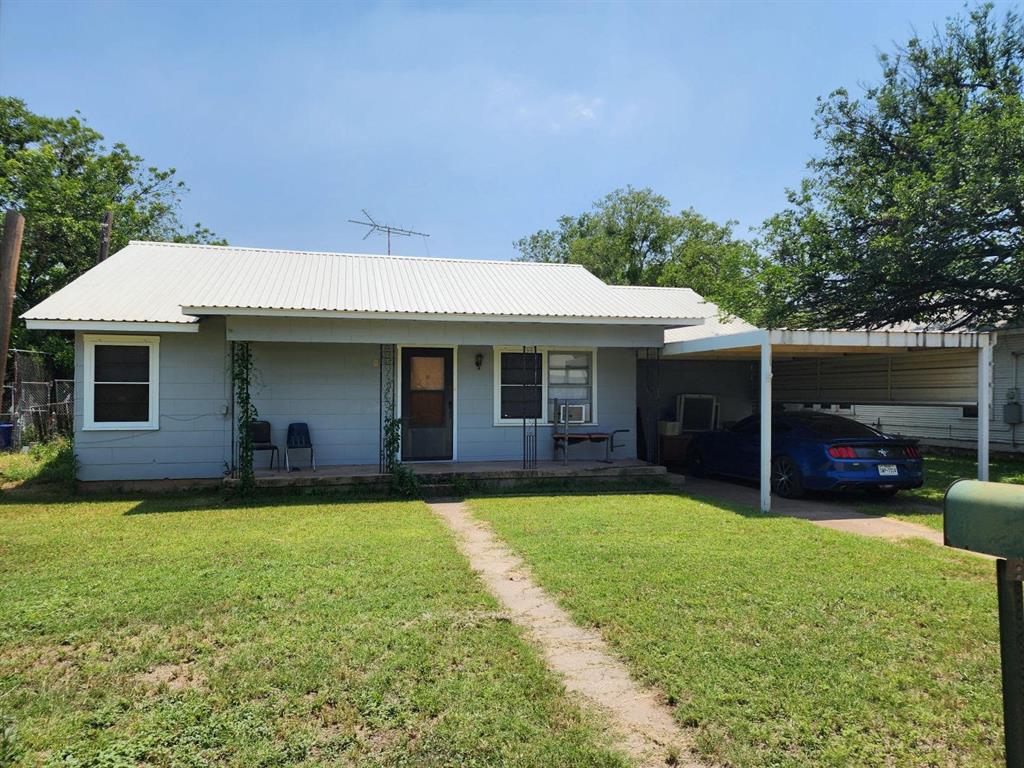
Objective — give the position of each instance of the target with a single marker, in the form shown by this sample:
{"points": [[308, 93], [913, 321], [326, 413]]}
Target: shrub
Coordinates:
{"points": [[404, 482]]}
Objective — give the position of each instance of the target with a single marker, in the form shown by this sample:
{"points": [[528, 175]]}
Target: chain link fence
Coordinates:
{"points": [[38, 405]]}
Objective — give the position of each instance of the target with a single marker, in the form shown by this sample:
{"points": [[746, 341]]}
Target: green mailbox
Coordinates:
{"points": [[989, 518], [985, 517]]}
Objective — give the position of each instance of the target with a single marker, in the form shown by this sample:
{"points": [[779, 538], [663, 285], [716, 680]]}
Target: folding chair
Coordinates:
{"points": [[298, 439], [259, 433]]}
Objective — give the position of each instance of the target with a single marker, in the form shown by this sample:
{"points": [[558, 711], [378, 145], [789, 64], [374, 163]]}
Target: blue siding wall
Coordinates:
{"points": [[480, 440], [334, 387], [194, 438]]}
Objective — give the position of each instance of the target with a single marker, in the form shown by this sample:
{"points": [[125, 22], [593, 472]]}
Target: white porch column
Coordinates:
{"points": [[984, 406], [766, 423]]}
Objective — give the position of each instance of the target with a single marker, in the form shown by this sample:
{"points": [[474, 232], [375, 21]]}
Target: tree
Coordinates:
{"points": [[63, 179], [631, 237], [915, 211]]}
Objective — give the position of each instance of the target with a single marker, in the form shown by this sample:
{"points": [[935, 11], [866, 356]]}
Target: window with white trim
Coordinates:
{"points": [[520, 388], [571, 385], [527, 384], [121, 382]]}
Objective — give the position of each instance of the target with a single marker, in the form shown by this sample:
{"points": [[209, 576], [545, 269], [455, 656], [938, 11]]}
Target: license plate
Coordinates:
{"points": [[888, 470]]}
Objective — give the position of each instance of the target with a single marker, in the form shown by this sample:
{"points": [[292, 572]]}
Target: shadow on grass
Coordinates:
{"points": [[299, 496]]}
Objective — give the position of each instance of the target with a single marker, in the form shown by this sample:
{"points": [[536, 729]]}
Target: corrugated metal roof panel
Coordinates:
{"points": [[151, 282]]}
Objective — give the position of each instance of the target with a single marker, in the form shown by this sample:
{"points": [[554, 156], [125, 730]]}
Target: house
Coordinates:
{"points": [[953, 421], [478, 360], [474, 356]]}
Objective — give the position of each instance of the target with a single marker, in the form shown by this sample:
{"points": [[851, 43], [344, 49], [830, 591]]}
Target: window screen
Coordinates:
{"points": [[120, 383], [698, 413], [570, 381], [521, 385]]}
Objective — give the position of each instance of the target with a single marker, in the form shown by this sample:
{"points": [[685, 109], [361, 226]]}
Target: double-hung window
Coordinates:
{"points": [[571, 386], [529, 384], [520, 385], [121, 380]]}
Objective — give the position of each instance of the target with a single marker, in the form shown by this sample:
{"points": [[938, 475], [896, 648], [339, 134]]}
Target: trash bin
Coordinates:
{"points": [[6, 436]]}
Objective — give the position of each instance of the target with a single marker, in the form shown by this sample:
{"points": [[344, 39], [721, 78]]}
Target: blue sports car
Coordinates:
{"points": [[811, 451]]}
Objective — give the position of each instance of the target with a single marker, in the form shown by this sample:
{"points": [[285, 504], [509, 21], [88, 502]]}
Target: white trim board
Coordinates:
{"points": [[663, 322], [89, 344], [543, 351], [111, 325]]}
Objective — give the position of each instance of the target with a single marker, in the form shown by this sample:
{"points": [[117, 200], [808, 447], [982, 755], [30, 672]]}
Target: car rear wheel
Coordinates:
{"points": [[786, 478]]}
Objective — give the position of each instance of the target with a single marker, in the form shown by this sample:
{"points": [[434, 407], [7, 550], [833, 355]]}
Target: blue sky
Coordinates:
{"points": [[478, 123]]}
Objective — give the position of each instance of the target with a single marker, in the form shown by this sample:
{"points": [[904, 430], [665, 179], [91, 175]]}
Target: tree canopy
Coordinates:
{"points": [[63, 179], [915, 210], [631, 237]]}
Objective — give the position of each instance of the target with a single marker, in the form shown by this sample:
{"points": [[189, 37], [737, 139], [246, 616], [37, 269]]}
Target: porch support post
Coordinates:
{"points": [[984, 406], [766, 423]]}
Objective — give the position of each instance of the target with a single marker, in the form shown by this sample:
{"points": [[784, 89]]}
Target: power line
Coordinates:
{"points": [[373, 226]]}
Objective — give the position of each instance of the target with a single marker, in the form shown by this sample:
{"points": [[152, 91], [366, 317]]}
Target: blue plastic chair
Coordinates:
{"points": [[299, 440]]}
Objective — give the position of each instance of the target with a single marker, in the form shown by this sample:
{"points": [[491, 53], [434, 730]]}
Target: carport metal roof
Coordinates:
{"points": [[740, 340], [730, 341]]}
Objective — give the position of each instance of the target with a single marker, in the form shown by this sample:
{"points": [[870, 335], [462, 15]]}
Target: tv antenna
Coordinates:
{"points": [[373, 226]]}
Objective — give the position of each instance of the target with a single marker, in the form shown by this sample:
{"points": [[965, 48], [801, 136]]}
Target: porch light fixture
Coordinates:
{"points": [[479, 360]]}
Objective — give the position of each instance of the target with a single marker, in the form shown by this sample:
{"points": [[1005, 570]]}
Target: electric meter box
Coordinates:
{"points": [[1011, 413]]}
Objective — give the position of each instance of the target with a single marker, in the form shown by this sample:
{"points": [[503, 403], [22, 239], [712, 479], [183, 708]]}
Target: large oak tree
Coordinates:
{"points": [[632, 237], [63, 178], [915, 210]]}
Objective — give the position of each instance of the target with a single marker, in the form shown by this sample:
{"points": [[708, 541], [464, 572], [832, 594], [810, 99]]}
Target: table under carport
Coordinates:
{"points": [[869, 367]]}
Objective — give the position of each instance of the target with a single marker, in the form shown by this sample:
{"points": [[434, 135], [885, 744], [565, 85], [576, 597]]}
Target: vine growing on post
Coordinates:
{"points": [[392, 442], [245, 412]]}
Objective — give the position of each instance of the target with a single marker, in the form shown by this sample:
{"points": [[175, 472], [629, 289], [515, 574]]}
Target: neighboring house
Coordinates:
{"points": [[956, 424], [468, 353]]}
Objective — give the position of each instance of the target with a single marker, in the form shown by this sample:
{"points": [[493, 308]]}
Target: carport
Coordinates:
{"points": [[869, 367]]}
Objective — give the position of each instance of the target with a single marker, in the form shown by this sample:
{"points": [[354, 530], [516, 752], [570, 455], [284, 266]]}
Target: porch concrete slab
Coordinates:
{"points": [[447, 472], [826, 512]]}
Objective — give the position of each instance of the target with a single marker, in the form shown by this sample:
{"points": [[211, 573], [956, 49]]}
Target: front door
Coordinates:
{"points": [[427, 404]]}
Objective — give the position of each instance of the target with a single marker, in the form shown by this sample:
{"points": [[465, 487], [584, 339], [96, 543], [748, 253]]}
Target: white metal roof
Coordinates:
{"points": [[174, 283], [802, 342]]}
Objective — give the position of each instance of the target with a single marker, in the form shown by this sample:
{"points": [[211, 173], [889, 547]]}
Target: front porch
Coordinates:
{"points": [[439, 475]]}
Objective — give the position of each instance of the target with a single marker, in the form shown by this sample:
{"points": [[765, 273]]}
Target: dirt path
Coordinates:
{"points": [[580, 656]]}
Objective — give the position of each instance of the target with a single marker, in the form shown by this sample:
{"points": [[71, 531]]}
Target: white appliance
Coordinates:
{"points": [[574, 414], [697, 413]]}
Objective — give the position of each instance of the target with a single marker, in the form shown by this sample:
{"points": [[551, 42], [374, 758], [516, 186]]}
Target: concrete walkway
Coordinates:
{"points": [[645, 726], [828, 513]]}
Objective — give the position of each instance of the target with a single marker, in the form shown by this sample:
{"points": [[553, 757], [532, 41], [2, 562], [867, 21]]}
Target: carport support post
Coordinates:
{"points": [[766, 423], [984, 405]]}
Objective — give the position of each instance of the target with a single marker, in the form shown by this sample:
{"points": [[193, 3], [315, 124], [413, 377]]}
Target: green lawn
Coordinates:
{"points": [[924, 505], [780, 643], [180, 632], [49, 464]]}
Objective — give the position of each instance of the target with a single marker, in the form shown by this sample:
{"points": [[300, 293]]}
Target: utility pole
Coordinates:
{"points": [[373, 226], [105, 230], [10, 254]]}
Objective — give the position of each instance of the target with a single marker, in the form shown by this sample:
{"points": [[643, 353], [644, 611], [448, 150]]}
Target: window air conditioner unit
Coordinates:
{"points": [[574, 414]]}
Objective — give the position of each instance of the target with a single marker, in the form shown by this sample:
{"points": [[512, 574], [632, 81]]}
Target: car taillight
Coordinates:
{"points": [[912, 452], [842, 452]]}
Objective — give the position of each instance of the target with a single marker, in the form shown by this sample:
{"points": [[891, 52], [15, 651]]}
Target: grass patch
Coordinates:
{"points": [[45, 464], [177, 631], [924, 505], [780, 643]]}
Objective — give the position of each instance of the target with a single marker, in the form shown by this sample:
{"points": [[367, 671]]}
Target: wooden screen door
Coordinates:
{"points": [[427, 404]]}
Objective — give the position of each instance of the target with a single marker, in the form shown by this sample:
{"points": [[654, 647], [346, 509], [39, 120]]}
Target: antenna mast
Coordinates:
{"points": [[387, 229]]}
